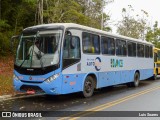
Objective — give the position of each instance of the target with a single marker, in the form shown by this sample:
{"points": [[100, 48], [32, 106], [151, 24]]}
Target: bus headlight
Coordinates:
{"points": [[52, 78], [15, 77]]}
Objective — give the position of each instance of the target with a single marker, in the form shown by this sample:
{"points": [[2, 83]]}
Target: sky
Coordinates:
{"points": [[151, 6]]}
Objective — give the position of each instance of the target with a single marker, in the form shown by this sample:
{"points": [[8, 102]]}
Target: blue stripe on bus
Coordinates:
{"points": [[70, 83]]}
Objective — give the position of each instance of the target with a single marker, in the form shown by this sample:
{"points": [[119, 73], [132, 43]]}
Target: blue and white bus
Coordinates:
{"points": [[64, 58]]}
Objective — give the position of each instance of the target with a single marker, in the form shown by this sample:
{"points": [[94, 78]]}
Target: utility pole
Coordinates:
{"points": [[0, 9], [102, 22]]}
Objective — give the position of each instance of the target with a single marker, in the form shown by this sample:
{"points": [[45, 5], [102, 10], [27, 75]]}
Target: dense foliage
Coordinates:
{"points": [[153, 35], [15, 15]]}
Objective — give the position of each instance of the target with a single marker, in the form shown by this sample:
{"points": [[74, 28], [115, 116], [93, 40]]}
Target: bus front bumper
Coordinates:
{"points": [[51, 88]]}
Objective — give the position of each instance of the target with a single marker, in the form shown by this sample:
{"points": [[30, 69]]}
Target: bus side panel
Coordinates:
{"points": [[127, 76], [72, 79], [105, 79], [145, 73], [115, 77], [72, 83], [113, 74]]}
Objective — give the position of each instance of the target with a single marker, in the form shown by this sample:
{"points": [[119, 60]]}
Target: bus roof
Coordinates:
{"points": [[73, 25]]}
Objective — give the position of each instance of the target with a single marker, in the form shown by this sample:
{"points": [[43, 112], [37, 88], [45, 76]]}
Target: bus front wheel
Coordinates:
{"points": [[88, 87]]}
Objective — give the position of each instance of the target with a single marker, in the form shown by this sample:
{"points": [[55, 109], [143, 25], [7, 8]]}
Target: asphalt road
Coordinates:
{"points": [[120, 98]]}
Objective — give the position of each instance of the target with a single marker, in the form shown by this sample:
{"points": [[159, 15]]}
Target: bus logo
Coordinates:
{"points": [[116, 63], [98, 64]]}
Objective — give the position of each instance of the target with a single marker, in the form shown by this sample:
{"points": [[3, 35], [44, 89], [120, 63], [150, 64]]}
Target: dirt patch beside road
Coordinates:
{"points": [[6, 74]]}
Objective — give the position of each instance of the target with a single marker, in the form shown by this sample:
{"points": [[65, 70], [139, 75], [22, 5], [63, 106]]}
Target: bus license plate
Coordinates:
{"points": [[30, 91]]}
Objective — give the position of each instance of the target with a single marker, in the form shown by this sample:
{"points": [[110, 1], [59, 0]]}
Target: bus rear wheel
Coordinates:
{"points": [[88, 87], [135, 83]]}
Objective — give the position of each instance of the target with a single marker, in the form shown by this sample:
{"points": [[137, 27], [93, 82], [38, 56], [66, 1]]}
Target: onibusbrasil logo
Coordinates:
{"points": [[98, 63]]}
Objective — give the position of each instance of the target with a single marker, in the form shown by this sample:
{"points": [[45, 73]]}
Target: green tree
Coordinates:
{"points": [[93, 9], [132, 26], [153, 35], [15, 15], [85, 12]]}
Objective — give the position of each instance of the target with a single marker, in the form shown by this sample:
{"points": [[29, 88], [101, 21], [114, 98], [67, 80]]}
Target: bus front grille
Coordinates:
{"points": [[31, 81]]}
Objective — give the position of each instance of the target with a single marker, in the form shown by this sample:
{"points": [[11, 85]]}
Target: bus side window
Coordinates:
{"points": [[104, 45], [65, 49], [108, 45], [131, 49], [117, 47], [121, 48], [150, 51], [96, 43], [112, 47], [71, 48], [91, 43], [75, 47], [140, 50], [86, 47], [71, 51], [146, 51]]}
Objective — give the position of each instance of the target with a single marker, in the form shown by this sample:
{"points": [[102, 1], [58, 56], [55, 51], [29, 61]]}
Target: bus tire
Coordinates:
{"points": [[135, 83], [88, 87]]}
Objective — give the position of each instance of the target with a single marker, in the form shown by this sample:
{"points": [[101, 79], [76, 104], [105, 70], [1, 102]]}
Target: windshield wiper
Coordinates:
{"points": [[25, 58]]}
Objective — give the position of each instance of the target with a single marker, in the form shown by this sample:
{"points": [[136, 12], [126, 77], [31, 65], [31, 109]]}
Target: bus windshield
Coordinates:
{"points": [[39, 50]]}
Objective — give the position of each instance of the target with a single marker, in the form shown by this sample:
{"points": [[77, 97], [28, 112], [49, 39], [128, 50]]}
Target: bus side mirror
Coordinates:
{"points": [[12, 40]]}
